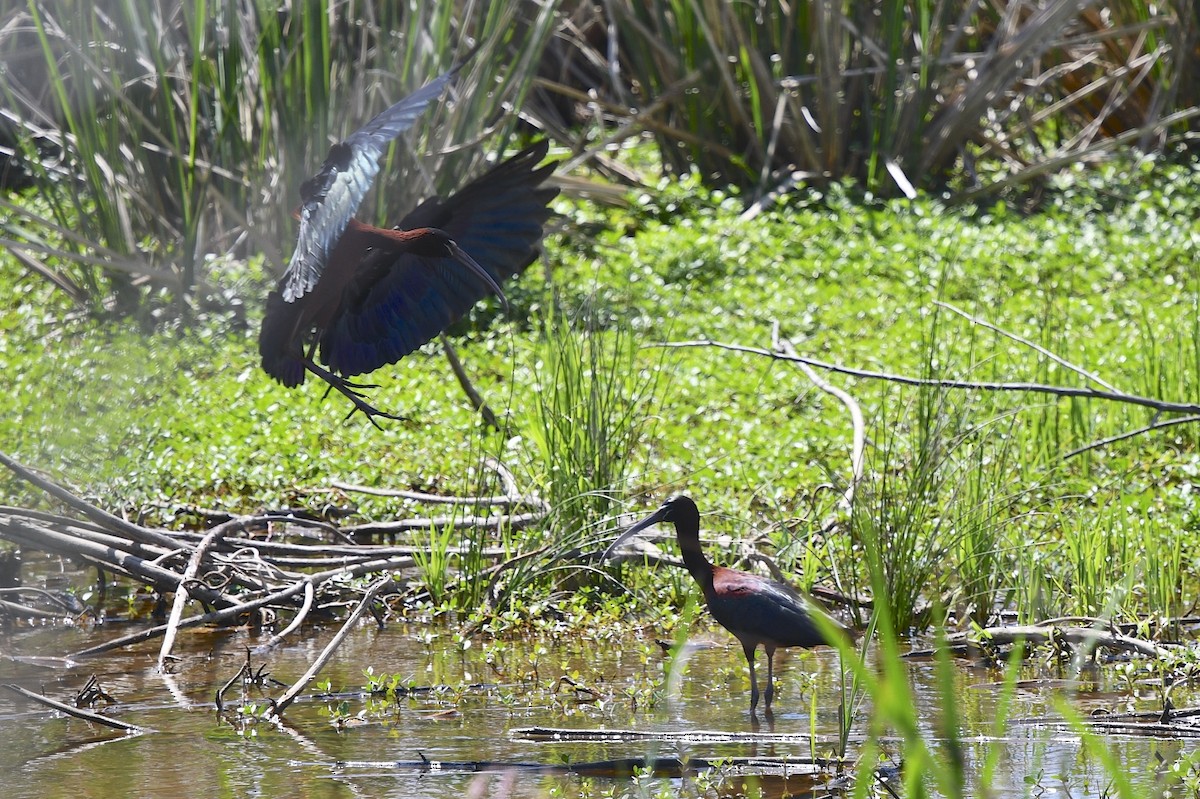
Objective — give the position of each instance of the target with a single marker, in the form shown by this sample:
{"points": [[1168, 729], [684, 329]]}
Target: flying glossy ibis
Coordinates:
{"points": [[361, 296], [756, 610]]}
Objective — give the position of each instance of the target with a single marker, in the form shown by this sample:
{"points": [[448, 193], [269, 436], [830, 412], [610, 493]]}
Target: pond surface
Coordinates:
{"points": [[349, 746]]}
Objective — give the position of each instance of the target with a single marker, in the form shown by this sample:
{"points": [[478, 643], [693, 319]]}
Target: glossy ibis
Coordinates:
{"points": [[362, 296], [756, 610]]}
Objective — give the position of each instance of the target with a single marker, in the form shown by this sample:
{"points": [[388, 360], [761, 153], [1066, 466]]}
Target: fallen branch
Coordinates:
{"points": [[216, 617], [421, 496], [142, 569], [98, 515], [936, 382], [290, 695], [188, 576], [1087, 636], [78, 713], [511, 490], [514, 520], [228, 567], [512, 494], [1091, 637]]}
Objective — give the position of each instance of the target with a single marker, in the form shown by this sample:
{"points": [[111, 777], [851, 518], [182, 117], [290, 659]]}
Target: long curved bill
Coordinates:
{"points": [[466, 260], [649, 521]]}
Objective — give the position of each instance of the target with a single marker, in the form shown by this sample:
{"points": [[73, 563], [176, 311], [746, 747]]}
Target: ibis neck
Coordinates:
{"points": [[696, 564]]}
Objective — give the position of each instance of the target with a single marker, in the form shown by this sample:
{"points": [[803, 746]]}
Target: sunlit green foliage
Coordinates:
{"points": [[1104, 275]]}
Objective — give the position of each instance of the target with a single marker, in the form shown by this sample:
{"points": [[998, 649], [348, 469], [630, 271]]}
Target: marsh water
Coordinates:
{"points": [[485, 694]]}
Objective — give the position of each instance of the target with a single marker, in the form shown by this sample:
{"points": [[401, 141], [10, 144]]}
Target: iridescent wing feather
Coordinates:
{"points": [[333, 195], [397, 302]]}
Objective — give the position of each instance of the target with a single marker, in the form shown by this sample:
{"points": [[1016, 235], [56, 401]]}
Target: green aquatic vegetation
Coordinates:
{"points": [[973, 486]]}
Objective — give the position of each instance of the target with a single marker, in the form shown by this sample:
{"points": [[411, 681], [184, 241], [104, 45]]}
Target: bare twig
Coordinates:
{"points": [[1084, 373], [858, 446], [1155, 425], [309, 595]]}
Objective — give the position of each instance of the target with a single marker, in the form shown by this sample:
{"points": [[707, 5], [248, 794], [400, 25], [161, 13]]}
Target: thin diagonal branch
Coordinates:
{"points": [[1156, 425], [78, 713], [1163, 406], [1084, 373], [290, 694]]}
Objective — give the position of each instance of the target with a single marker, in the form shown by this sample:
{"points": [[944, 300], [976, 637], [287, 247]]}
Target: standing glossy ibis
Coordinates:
{"points": [[364, 296], [756, 610]]}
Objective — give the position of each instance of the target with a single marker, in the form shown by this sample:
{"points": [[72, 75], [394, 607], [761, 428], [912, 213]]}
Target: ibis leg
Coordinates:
{"points": [[769, 694], [749, 648], [352, 392]]}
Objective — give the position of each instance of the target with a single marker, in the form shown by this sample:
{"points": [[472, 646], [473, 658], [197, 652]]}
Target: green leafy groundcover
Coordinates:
{"points": [[1105, 273]]}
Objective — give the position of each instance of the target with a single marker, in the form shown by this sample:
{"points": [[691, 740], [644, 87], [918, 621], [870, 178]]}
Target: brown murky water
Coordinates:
{"points": [[491, 691]]}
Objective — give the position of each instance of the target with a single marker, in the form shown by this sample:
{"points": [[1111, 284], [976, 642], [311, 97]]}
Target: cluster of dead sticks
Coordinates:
{"points": [[245, 570]]}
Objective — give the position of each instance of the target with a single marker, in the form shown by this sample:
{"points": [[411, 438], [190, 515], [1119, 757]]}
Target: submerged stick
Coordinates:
{"points": [[560, 734], [17, 609], [798, 768], [216, 617], [78, 713]]}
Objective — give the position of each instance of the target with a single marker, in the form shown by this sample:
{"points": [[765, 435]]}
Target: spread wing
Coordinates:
{"points": [[331, 197], [399, 301]]}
